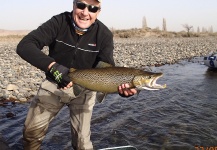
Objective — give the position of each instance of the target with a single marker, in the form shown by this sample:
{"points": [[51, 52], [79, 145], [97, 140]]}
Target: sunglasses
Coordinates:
{"points": [[91, 8]]}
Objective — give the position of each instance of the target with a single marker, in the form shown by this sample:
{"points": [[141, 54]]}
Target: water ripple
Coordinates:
{"points": [[182, 116]]}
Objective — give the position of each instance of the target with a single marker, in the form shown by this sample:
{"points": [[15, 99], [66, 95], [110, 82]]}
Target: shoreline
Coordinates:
{"points": [[23, 79]]}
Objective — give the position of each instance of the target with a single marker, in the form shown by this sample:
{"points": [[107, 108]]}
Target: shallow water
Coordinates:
{"points": [[182, 116]]}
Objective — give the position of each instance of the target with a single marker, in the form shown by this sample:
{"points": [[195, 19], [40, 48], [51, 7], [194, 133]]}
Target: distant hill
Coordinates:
{"points": [[13, 32]]}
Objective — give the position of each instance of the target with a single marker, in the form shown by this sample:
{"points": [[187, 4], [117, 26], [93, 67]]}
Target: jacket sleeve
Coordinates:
{"points": [[29, 48]]}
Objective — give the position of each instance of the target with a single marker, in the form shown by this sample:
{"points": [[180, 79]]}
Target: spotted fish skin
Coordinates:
{"points": [[108, 79]]}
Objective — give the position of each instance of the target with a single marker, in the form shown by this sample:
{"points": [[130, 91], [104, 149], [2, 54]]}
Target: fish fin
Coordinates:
{"points": [[137, 94], [77, 89], [100, 96], [71, 70], [138, 91], [102, 64]]}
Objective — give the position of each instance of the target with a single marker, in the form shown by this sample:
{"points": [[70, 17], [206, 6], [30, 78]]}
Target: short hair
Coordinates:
{"points": [[78, 0]]}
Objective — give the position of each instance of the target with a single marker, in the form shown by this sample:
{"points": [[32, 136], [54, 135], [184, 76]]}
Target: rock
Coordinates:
{"points": [[12, 87], [23, 100], [10, 115]]}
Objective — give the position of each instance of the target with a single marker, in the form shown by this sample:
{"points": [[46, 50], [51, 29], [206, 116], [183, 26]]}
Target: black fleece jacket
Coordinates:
{"points": [[65, 46]]}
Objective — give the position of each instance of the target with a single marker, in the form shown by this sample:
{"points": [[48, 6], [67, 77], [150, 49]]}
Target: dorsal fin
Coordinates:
{"points": [[102, 64], [72, 69]]}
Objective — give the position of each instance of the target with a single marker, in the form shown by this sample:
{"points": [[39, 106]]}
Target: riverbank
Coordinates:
{"points": [[19, 80]]}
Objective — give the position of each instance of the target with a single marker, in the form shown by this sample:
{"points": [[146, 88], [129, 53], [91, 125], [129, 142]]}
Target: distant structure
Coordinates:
{"points": [[204, 30], [164, 27], [211, 30], [144, 23], [198, 29]]}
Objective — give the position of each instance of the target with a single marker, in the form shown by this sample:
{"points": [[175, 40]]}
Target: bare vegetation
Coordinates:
{"points": [[147, 32], [11, 38]]}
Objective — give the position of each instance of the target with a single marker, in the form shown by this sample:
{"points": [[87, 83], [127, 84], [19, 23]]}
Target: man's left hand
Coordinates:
{"points": [[125, 91]]}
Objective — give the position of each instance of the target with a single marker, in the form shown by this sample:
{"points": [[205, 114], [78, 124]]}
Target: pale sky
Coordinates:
{"points": [[117, 14]]}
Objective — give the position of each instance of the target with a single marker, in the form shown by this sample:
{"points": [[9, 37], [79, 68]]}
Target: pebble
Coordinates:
{"points": [[20, 80], [12, 87]]}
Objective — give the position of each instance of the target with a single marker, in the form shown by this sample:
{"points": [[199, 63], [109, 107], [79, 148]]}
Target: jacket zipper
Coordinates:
{"points": [[76, 46], [76, 49]]}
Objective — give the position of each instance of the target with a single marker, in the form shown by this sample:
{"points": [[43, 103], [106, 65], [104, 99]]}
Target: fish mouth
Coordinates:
{"points": [[152, 85]]}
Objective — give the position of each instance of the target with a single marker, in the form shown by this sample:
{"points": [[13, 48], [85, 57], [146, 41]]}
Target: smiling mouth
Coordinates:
{"points": [[83, 19]]}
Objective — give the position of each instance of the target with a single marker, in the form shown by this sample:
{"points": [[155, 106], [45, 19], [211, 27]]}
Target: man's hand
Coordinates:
{"points": [[124, 90], [59, 74]]}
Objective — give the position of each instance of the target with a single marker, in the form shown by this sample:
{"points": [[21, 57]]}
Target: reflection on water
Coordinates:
{"points": [[182, 116]]}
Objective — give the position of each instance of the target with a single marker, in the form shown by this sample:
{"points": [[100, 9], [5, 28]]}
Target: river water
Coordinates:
{"points": [[181, 117]]}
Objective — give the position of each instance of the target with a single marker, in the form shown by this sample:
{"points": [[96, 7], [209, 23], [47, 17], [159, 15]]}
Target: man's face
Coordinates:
{"points": [[83, 17]]}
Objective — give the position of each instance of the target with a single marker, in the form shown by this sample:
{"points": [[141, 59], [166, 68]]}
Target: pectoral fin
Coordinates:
{"points": [[100, 96], [71, 70]]}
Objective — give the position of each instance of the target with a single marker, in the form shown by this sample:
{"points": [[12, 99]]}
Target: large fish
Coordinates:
{"points": [[107, 79]]}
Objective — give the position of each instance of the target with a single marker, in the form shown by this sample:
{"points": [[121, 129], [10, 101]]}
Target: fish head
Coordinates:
{"points": [[147, 81]]}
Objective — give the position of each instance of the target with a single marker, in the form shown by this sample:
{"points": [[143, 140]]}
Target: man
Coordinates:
{"points": [[77, 40]]}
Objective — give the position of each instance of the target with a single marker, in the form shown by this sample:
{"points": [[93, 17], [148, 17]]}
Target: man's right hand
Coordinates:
{"points": [[59, 73]]}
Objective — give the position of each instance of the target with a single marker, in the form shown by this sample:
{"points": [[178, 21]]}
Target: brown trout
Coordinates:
{"points": [[108, 79]]}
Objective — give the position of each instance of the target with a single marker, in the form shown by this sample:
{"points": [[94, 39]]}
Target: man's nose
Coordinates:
{"points": [[86, 11]]}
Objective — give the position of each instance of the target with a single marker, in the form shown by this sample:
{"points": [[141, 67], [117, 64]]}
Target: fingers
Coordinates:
{"points": [[125, 89], [68, 86]]}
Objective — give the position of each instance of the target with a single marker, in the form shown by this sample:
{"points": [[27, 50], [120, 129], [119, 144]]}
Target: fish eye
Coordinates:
{"points": [[148, 77]]}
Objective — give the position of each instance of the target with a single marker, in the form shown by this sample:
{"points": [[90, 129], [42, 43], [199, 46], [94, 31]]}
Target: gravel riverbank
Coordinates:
{"points": [[19, 80]]}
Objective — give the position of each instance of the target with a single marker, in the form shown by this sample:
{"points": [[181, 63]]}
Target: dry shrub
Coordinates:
{"points": [[11, 38], [146, 32]]}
